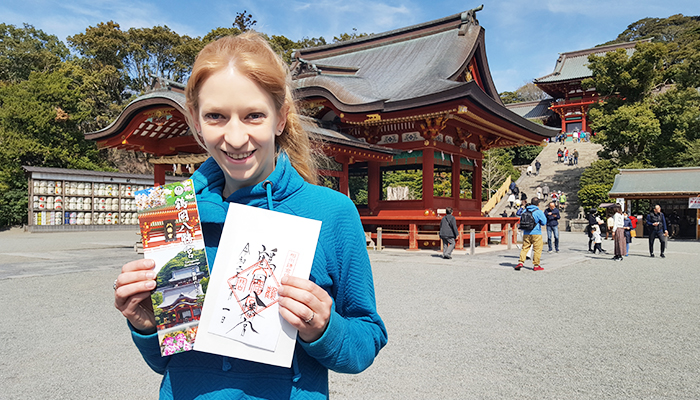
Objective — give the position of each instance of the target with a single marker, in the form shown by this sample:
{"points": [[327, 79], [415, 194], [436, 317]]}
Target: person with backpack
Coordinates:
{"points": [[448, 233], [530, 222], [538, 165]]}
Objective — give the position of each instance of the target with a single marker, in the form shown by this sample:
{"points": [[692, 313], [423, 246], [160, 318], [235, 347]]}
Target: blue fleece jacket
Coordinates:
{"points": [[540, 219], [355, 333]]}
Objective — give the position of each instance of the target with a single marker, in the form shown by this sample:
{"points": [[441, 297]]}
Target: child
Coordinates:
{"points": [[241, 111], [597, 239]]}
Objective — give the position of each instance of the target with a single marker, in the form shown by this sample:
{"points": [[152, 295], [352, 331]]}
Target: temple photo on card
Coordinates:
{"points": [[172, 236]]}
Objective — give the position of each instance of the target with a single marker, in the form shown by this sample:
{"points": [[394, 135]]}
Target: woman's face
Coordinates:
{"points": [[238, 122]]}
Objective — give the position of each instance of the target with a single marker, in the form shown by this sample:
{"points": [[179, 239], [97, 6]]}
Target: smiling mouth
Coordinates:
{"points": [[239, 156]]}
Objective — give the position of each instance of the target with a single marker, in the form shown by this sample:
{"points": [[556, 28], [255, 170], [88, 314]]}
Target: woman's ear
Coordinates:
{"points": [[282, 120]]}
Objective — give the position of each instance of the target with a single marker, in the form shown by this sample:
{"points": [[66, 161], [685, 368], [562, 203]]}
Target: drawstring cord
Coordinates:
{"points": [[226, 365], [268, 187]]}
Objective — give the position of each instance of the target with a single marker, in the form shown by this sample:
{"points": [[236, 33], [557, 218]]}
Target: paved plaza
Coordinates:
{"points": [[468, 328]]}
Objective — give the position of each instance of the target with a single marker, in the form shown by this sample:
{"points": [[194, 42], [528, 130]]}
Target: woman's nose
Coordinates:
{"points": [[236, 134]]}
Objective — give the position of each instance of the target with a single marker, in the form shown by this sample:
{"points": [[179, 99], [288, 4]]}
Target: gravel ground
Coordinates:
{"points": [[470, 327]]}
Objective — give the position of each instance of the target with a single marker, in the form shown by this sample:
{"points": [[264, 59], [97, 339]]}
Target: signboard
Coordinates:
{"points": [[694, 202], [621, 202]]}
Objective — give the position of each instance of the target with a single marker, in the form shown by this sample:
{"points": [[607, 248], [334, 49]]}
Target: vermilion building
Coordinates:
{"points": [[416, 101]]}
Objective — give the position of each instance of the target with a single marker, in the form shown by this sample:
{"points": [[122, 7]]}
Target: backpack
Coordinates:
{"points": [[527, 221]]}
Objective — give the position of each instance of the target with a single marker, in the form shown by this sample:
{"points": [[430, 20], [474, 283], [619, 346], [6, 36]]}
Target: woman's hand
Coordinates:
{"points": [[305, 306], [132, 295]]}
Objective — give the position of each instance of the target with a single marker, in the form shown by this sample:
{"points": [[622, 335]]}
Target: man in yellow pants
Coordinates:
{"points": [[531, 222]]}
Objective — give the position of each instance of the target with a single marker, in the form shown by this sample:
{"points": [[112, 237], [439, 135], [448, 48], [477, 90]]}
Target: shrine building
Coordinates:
{"points": [[570, 101], [403, 118]]}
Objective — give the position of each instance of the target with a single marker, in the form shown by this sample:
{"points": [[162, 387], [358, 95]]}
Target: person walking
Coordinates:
{"points": [[545, 191], [511, 199], [618, 230], [566, 155], [597, 239], [529, 170], [656, 221], [538, 192], [592, 222], [562, 199], [538, 165], [448, 233], [560, 154], [575, 155], [530, 222], [552, 214]]}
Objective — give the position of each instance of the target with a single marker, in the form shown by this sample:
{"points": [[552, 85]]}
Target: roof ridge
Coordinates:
{"points": [[421, 29], [604, 49]]}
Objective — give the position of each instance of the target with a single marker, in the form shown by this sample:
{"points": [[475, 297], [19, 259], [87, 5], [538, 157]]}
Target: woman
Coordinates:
{"points": [[628, 232], [241, 110], [618, 231]]}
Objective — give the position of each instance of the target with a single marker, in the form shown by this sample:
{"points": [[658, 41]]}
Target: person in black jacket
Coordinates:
{"points": [[657, 228], [448, 233]]}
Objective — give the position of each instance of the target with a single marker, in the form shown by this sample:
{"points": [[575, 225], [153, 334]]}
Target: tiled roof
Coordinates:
{"points": [[382, 70], [658, 181], [574, 64], [532, 109], [316, 130]]}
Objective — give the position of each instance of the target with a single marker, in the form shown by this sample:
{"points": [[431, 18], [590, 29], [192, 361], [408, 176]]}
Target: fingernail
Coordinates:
{"points": [[150, 284], [284, 279], [150, 275]]}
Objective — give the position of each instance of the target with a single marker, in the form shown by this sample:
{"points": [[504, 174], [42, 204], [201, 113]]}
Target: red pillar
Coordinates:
{"points": [[412, 237], [344, 179], [460, 238], [159, 174], [456, 165], [476, 184], [428, 178], [584, 114], [374, 187]]}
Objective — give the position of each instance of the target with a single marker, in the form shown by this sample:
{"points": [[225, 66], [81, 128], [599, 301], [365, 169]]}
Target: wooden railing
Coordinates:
{"points": [[417, 232], [496, 197]]}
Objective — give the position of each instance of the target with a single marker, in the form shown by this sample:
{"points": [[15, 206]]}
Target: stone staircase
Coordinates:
{"points": [[558, 176]]}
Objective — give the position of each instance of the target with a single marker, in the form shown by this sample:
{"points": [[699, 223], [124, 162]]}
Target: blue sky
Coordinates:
{"points": [[523, 37]]}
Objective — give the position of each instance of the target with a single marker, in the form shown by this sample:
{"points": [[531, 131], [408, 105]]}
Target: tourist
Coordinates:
{"points": [[511, 199], [593, 221], [538, 192], [449, 231], [529, 170], [523, 197], [574, 136], [552, 214], [530, 222], [555, 197], [609, 231], [545, 191], [560, 154], [512, 187], [575, 156], [538, 165], [240, 104], [628, 232], [597, 239], [566, 155], [618, 231], [656, 221], [562, 199]]}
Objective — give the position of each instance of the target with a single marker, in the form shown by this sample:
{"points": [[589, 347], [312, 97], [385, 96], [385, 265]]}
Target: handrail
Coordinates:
{"points": [[496, 197]]}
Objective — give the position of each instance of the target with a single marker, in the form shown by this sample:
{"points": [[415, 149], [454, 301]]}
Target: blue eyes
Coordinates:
{"points": [[251, 116]]}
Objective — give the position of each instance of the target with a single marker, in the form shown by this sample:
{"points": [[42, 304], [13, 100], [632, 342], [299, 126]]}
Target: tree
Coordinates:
{"points": [[344, 37], [27, 49], [497, 165], [596, 182], [244, 22]]}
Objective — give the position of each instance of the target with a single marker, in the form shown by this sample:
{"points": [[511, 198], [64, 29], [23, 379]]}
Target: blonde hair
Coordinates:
{"points": [[253, 57]]}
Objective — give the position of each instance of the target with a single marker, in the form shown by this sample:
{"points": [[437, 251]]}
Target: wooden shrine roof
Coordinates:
{"points": [[393, 70], [574, 65], [648, 183], [538, 109]]}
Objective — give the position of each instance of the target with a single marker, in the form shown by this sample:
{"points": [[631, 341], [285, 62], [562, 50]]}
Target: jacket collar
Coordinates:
{"points": [[209, 185]]}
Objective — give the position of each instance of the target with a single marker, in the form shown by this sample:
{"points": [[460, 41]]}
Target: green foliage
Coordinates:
{"points": [[358, 189], [596, 182], [156, 300], [442, 184], [497, 165], [27, 49], [344, 37], [179, 262], [523, 155], [413, 179], [510, 97]]}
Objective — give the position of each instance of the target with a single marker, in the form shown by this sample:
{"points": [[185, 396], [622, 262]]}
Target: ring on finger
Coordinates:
{"points": [[308, 321], [115, 285]]}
